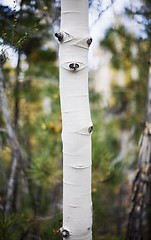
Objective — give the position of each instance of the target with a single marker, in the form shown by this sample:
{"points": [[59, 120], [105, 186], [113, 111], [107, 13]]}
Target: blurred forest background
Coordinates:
{"points": [[30, 119]]}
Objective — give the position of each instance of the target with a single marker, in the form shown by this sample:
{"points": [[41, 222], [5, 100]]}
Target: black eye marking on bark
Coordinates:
{"points": [[59, 36], [90, 129], [63, 232], [74, 66], [89, 41]]}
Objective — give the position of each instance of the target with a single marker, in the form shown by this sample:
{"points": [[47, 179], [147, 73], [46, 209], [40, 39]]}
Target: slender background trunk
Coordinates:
{"points": [[16, 149], [76, 120], [141, 184], [17, 88]]}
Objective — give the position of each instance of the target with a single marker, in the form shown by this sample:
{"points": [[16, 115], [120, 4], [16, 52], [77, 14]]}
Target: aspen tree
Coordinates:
{"points": [[76, 120], [141, 184]]}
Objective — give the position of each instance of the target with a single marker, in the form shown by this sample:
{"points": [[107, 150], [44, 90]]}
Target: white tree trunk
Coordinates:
{"points": [[76, 120]]}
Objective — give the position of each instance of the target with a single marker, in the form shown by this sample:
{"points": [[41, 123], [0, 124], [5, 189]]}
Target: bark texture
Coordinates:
{"points": [[141, 183], [76, 119], [148, 108]]}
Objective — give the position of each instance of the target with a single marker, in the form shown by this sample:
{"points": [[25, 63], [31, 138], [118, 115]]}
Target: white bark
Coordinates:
{"points": [[76, 119]]}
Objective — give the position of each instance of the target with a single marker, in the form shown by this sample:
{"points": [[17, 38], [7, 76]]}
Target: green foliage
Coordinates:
{"points": [[108, 175], [119, 42], [11, 227], [128, 51], [50, 229], [15, 227]]}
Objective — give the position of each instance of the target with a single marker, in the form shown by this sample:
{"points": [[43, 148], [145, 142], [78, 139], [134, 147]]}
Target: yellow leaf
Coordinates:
{"points": [[45, 7], [57, 129], [94, 189], [55, 96], [50, 124], [7, 154], [43, 126]]}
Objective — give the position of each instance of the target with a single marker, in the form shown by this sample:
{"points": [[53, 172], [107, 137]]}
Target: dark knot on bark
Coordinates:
{"points": [[90, 129], [73, 66], [89, 41], [59, 36], [63, 232]]}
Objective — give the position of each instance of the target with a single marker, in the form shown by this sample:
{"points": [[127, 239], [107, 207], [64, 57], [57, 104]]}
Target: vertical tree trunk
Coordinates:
{"points": [[76, 120], [148, 119], [17, 86], [16, 149], [15, 156], [141, 183], [148, 107]]}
